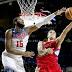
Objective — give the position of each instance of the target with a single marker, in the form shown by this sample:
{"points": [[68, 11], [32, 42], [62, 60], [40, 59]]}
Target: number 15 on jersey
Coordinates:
{"points": [[19, 44]]}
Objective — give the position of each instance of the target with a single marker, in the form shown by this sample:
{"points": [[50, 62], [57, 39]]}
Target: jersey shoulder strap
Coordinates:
{"points": [[13, 32]]}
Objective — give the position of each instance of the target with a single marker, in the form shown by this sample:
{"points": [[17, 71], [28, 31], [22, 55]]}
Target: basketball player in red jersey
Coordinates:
{"points": [[47, 59]]}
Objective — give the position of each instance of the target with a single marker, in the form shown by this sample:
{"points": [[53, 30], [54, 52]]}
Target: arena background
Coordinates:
{"points": [[10, 9]]}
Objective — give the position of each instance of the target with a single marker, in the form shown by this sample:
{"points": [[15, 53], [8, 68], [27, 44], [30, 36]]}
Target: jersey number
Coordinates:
{"points": [[19, 44]]}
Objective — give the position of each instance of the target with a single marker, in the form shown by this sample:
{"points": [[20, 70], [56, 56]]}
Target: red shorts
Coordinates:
{"points": [[48, 64], [49, 68]]}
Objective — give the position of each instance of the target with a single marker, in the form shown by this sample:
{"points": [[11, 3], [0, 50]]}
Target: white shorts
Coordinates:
{"points": [[14, 62]]}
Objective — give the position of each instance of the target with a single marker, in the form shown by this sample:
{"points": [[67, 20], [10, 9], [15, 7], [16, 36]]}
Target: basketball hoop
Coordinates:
{"points": [[27, 7]]}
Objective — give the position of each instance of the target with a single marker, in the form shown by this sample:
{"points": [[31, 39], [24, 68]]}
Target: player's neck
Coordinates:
{"points": [[17, 29]]}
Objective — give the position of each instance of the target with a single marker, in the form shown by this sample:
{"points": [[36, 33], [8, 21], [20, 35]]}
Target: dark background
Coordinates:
{"points": [[11, 9]]}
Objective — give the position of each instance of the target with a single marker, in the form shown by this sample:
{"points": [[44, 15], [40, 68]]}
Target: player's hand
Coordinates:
{"points": [[37, 69], [59, 12], [29, 54], [49, 51]]}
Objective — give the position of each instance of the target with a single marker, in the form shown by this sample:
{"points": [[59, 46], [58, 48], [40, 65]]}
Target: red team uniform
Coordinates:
{"points": [[49, 62]]}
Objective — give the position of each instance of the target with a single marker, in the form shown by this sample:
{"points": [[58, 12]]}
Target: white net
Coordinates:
{"points": [[27, 7]]}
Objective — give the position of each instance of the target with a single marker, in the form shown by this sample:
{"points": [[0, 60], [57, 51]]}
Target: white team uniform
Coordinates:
{"points": [[12, 61]]}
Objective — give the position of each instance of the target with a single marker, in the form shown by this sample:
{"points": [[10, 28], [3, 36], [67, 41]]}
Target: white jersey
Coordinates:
{"points": [[15, 62], [19, 40]]}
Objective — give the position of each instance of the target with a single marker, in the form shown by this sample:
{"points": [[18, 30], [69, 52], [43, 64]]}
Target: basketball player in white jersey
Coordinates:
{"points": [[15, 45]]}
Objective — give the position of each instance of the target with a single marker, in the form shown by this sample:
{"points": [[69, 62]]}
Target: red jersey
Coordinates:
{"points": [[49, 63]]}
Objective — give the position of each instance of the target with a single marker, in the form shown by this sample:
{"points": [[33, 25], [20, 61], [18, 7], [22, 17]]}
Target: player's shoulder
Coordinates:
{"points": [[8, 32]]}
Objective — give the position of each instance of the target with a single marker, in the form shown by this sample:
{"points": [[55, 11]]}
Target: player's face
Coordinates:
{"points": [[19, 25], [51, 35], [19, 20]]}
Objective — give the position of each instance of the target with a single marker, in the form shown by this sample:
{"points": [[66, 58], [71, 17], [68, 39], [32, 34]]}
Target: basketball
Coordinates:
{"points": [[68, 13]]}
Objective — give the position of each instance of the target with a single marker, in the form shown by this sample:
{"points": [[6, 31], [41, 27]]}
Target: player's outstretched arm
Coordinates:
{"points": [[48, 18], [58, 12], [64, 33]]}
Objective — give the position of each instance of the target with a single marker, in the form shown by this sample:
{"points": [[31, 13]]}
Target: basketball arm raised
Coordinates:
{"points": [[50, 17], [64, 33], [46, 19]]}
